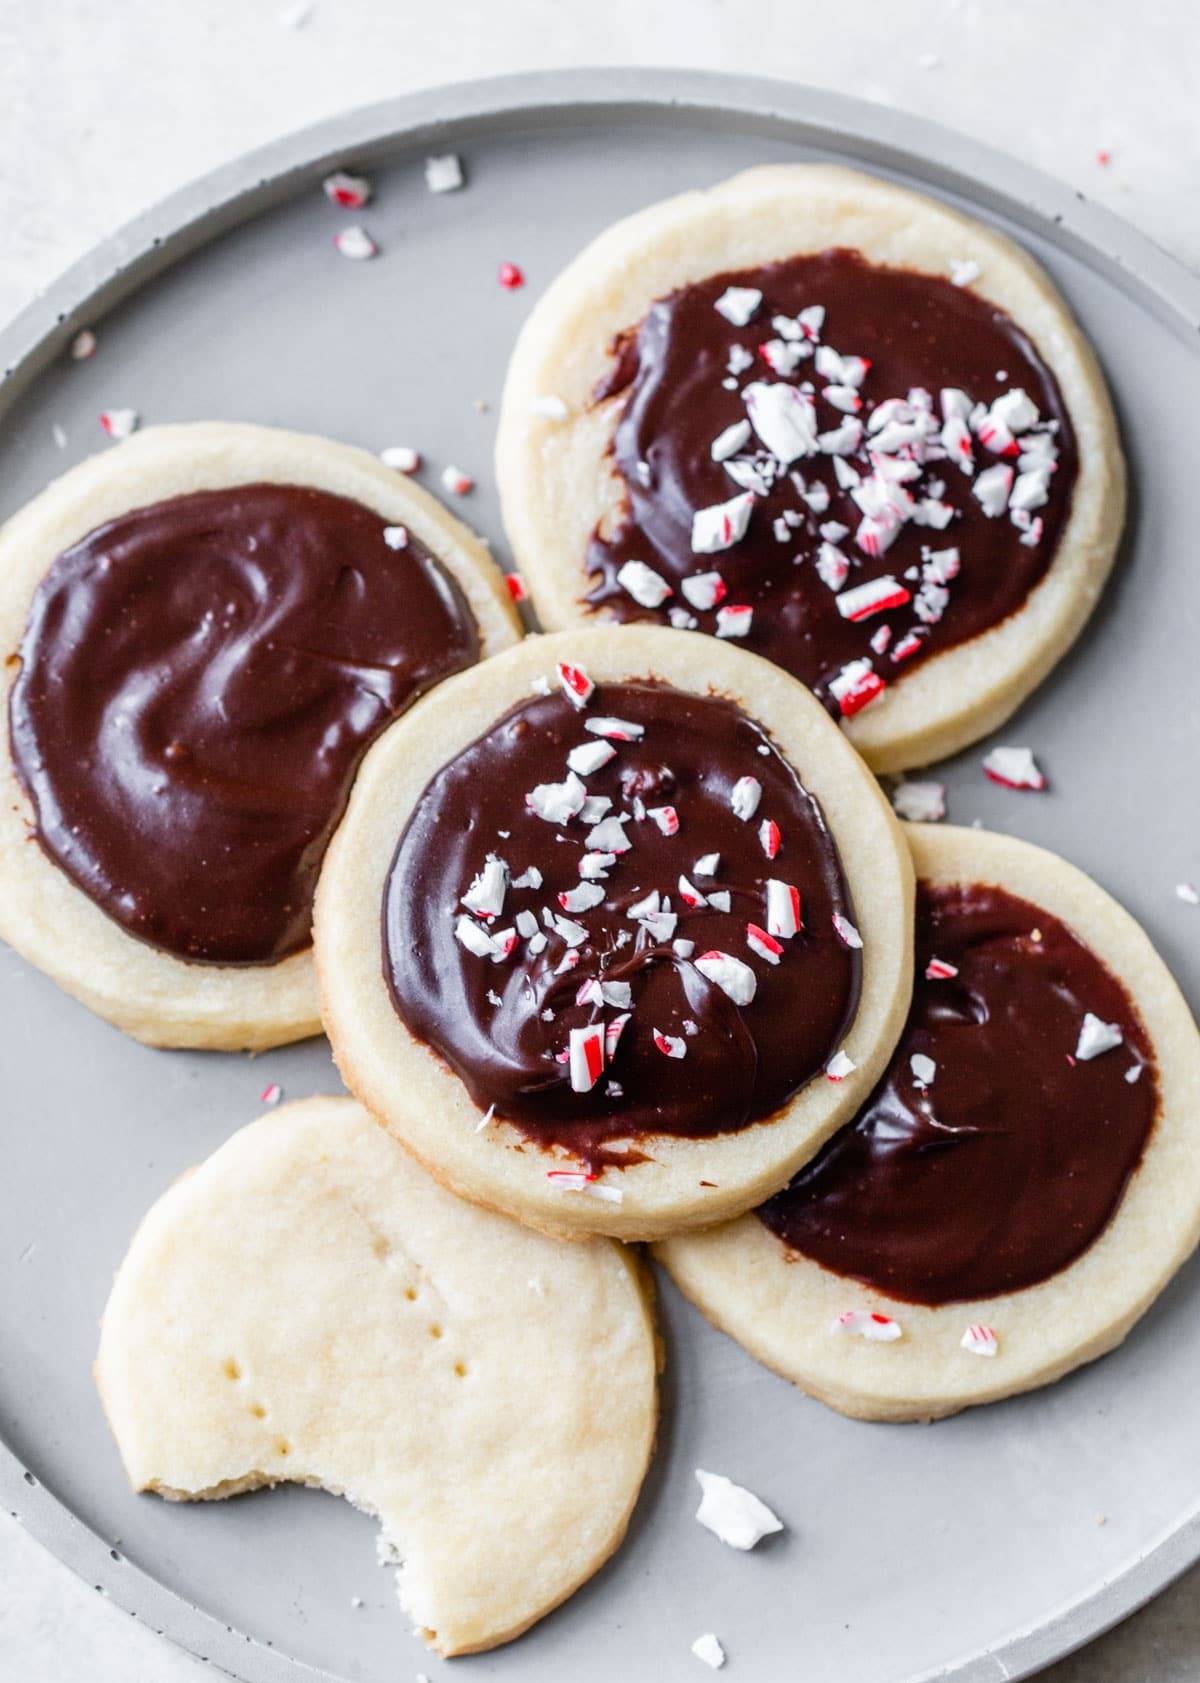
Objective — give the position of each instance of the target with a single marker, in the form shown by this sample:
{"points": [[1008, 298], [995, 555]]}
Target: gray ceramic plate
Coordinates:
{"points": [[972, 1549]]}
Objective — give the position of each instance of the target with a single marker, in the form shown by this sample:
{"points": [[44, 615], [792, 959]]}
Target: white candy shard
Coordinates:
{"points": [[608, 836], [402, 457], [980, 1340], [734, 620], [582, 897], [355, 243], [119, 423], [733, 1513], [396, 537], [920, 801], [703, 590], [1015, 410], [529, 878], [744, 798], [619, 730], [785, 419], [1013, 768], [444, 174], [648, 588], [721, 525], [1096, 1037], [708, 1649], [738, 304], [729, 442], [474, 937], [730, 975], [783, 909], [846, 931], [991, 489], [549, 407], [588, 757], [707, 865], [964, 270], [557, 803], [878, 1329], [485, 897], [1188, 893], [840, 1066], [923, 1069], [832, 566], [586, 1051]]}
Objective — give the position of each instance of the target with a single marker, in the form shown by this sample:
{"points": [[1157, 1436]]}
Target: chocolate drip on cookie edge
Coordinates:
{"points": [[846, 511], [621, 920], [998, 1145], [198, 682]]}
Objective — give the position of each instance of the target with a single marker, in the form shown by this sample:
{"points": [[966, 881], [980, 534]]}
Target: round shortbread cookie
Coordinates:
{"points": [[785, 1308], [144, 989], [308, 1306], [560, 484], [681, 1181]]}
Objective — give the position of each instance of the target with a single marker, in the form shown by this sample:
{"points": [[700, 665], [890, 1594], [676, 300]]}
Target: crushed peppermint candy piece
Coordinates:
{"points": [[647, 587], [762, 944], [708, 1649], [876, 596], [119, 423], [703, 590], [921, 801], [613, 1031], [582, 897], [596, 864], [734, 620], [402, 457], [733, 1513], [868, 1324], [690, 894], [83, 347], [349, 192], [721, 525], [617, 730], [738, 304], [729, 442], [531, 878], [940, 970], [510, 277], [670, 1045], [744, 798], [666, 818], [832, 566], [576, 685], [769, 837], [991, 489], [1188, 893], [586, 1057], [707, 865], [846, 931], [474, 937], [271, 1093], [557, 803], [1013, 768], [730, 975], [355, 243], [785, 419], [1096, 1037], [923, 1069], [783, 909], [964, 270], [458, 483], [840, 1066], [396, 537], [588, 757], [608, 835], [980, 1340], [485, 897], [444, 174], [856, 686]]}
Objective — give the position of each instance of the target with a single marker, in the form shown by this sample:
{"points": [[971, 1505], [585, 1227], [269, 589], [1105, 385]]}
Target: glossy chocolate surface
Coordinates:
{"points": [[199, 680], [504, 1024], [959, 569], [1011, 1161]]}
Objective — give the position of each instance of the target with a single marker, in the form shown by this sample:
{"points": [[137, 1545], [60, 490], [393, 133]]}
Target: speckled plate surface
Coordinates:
{"points": [[980, 1548]]}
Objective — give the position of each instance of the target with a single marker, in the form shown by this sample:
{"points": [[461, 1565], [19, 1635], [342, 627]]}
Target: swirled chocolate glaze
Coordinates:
{"points": [[1002, 1160], [592, 926], [198, 682], [902, 500]]}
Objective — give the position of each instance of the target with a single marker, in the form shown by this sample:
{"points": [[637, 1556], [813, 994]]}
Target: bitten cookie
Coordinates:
{"points": [[1021, 1184], [205, 628], [616, 930], [836, 420], [308, 1306]]}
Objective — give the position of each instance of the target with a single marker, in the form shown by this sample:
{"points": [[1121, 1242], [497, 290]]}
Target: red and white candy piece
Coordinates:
{"points": [[586, 1054], [721, 524], [1096, 1037], [980, 1340], [840, 1066], [485, 897], [762, 944], [868, 1324], [744, 798], [582, 897], [355, 243], [666, 818], [348, 192], [783, 909], [588, 757], [617, 730], [770, 838], [670, 1045], [832, 566], [876, 596], [703, 590], [596, 864], [734, 978], [456, 481], [576, 685], [271, 1093], [940, 970], [690, 894], [648, 588], [613, 1031], [734, 620], [1013, 768], [846, 932], [510, 277], [856, 686], [119, 423]]}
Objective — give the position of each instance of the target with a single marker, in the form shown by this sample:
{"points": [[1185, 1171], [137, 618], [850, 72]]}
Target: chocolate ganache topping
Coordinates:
{"points": [[198, 682], [850, 467], [618, 914], [999, 1143]]}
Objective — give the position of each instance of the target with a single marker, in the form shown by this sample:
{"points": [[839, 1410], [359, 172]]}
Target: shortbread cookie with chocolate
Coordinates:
{"points": [[615, 931], [849, 427], [308, 1306], [1020, 1185], [205, 628]]}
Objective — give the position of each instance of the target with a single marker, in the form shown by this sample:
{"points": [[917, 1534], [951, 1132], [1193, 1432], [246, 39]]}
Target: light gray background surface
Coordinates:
{"points": [[103, 107]]}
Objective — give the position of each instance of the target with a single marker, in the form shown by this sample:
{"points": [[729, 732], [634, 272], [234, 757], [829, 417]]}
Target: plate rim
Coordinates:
{"points": [[232, 194]]}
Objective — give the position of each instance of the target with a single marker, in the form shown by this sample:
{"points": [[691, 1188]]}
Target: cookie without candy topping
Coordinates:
{"points": [[786, 419], [309, 1306], [586, 938], [1021, 1184]]}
